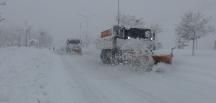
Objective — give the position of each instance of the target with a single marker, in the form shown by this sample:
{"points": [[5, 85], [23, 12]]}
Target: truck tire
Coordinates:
{"points": [[106, 56]]}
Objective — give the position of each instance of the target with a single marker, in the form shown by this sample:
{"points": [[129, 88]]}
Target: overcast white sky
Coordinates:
{"points": [[63, 17]]}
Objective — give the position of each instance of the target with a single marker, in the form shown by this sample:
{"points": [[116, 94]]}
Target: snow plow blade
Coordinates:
{"points": [[162, 58]]}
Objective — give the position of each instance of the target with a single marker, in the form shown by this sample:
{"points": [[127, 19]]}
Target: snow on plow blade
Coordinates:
{"points": [[162, 58]]}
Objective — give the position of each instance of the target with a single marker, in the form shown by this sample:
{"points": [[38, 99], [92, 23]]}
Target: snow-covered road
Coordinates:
{"points": [[29, 75], [94, 82], [93, 85]]}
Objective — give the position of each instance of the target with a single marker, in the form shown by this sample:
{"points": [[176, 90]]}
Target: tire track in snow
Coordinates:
{"points": [[146, 95], [86, 92], [116, 86]]}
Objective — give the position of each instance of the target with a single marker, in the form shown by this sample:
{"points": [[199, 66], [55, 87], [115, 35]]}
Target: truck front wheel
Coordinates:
{"points": [[106, 56]]}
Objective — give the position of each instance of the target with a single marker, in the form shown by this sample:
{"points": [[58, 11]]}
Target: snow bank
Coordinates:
{"points": [[32, 76]]}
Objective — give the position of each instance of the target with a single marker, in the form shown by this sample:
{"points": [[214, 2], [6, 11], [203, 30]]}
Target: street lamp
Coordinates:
{"points": [[118, 12], [86, 20], [86, 17]]}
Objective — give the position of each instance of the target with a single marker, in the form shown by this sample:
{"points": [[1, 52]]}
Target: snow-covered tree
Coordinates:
{"points": [[9, 37], [215, 45], [156, 28], [181, 43], [192, 27], [130, 21], [2, 3], [45, 40], [18, 36]]}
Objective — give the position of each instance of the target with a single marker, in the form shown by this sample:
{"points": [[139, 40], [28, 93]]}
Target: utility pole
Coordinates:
{"points": [[193, 47], [27, 34], [118, 13], [80, 30], [118, 31], [85, 31]]}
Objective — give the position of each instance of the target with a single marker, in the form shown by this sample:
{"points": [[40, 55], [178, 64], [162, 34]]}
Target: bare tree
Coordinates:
{"points": [[192, 27]]}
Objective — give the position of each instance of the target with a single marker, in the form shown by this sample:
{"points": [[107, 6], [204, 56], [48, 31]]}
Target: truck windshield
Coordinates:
{"points": [[139, 33], [73, 42]]}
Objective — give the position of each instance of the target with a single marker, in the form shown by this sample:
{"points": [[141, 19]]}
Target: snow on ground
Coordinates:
{"points": [[41, 76], [32, 76], [188, 80]]}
